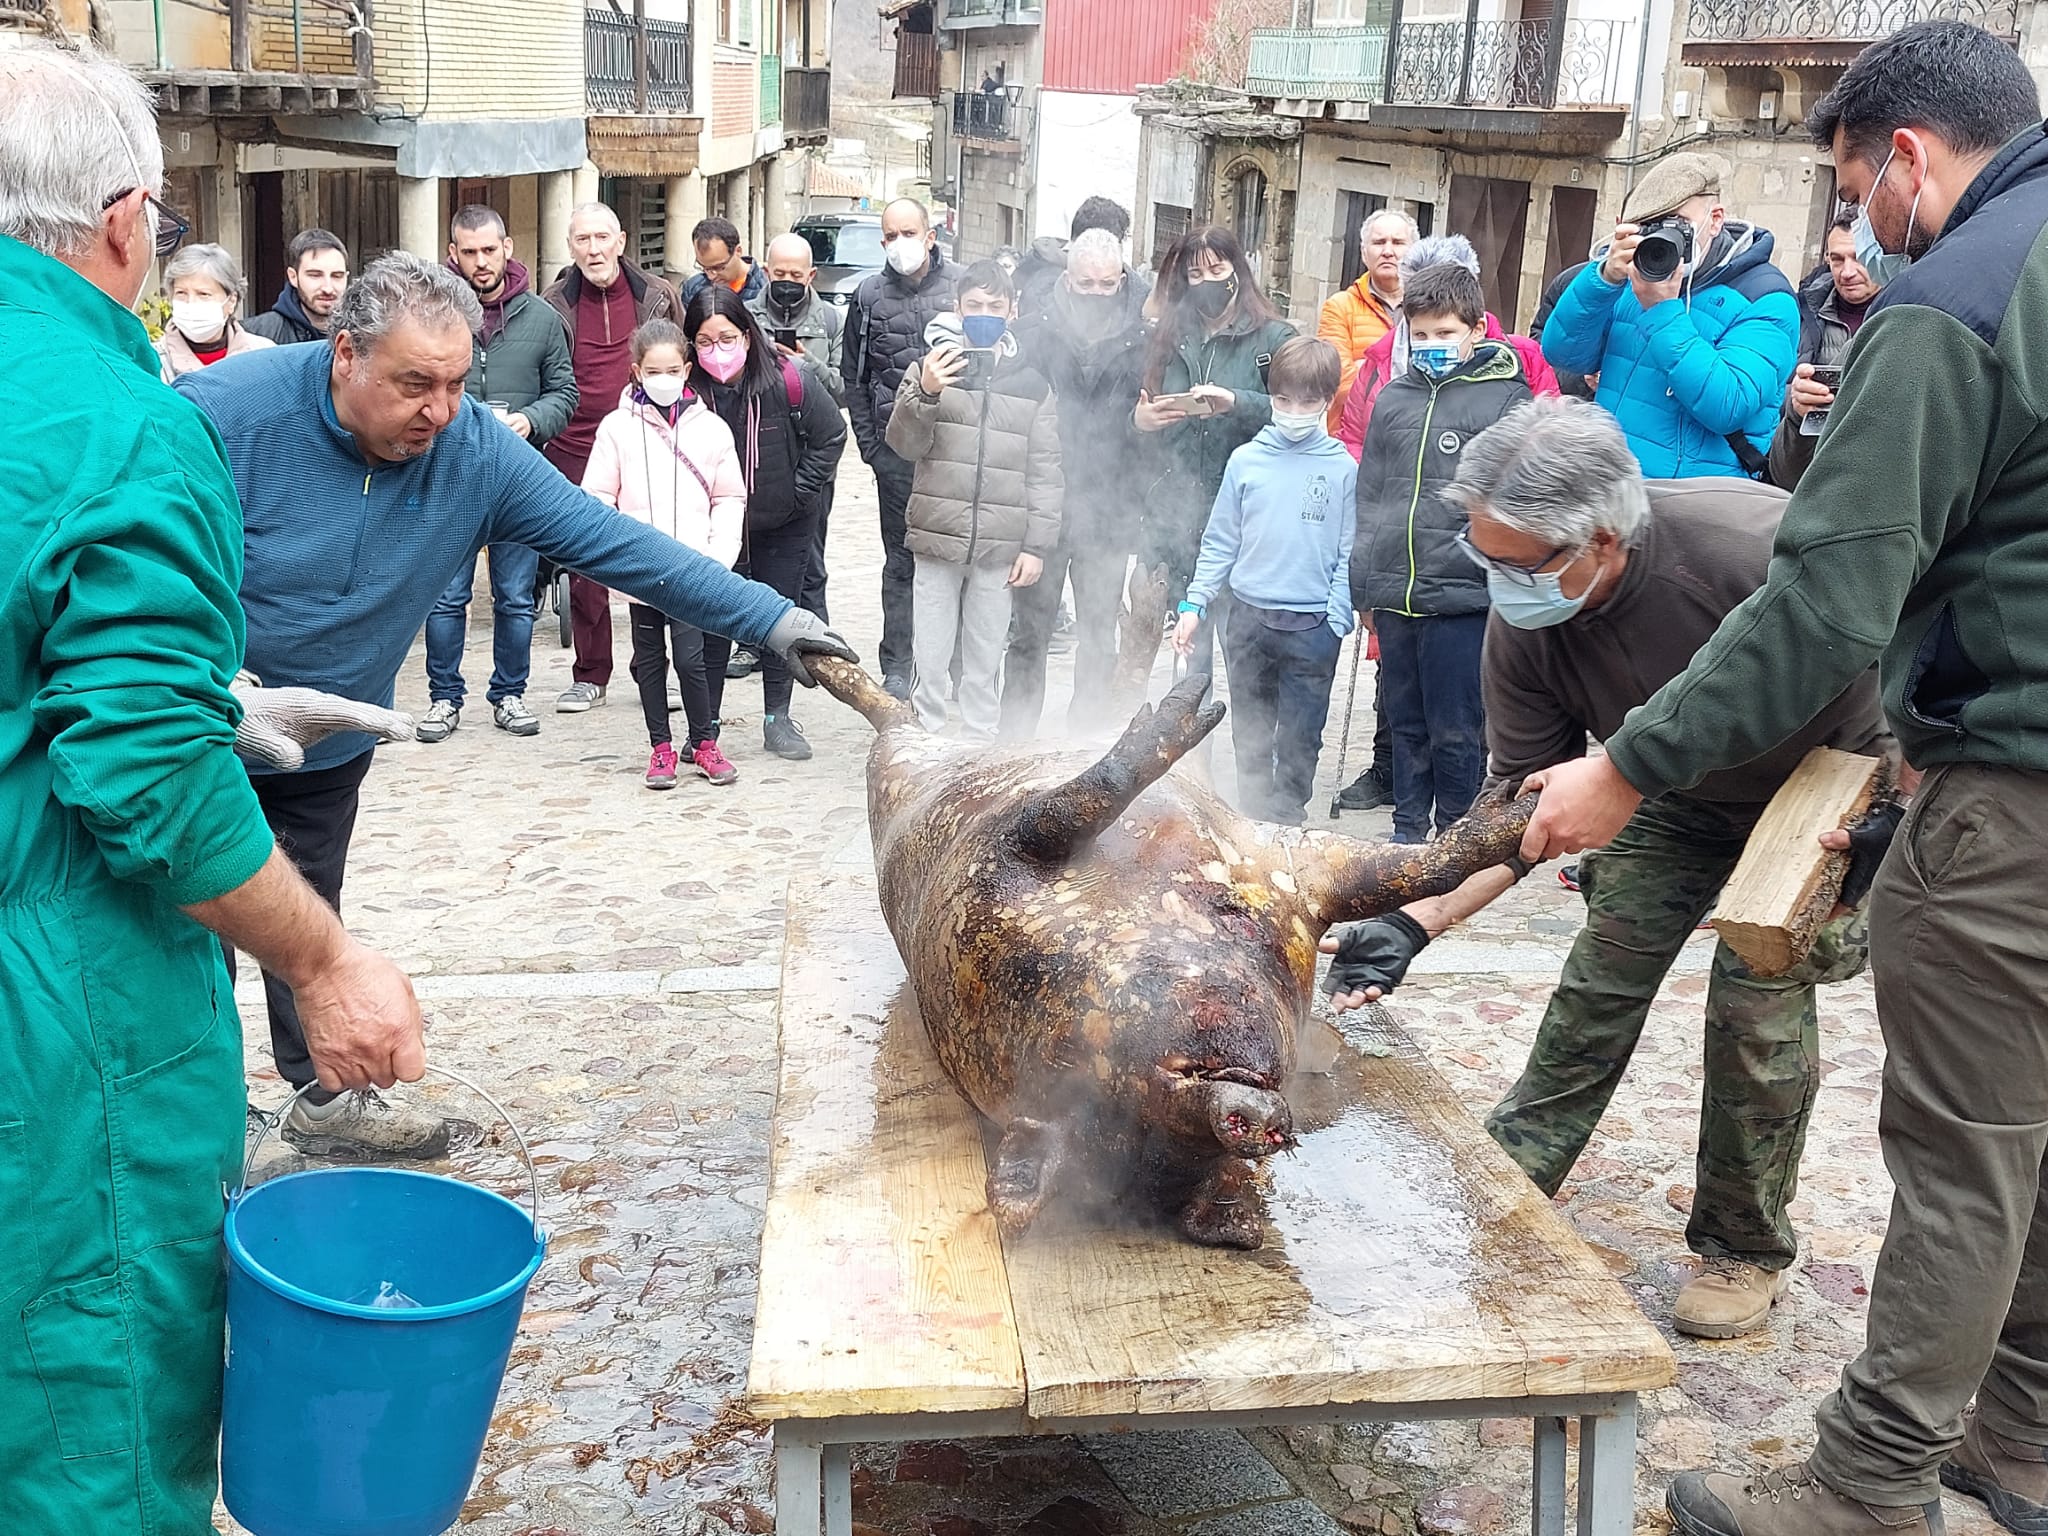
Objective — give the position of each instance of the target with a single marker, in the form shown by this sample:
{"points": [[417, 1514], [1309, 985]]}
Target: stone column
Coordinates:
{"points": [[586, 183], [739, 203], [227, 220], [775, 214], [557, 197], [685, 203], [419, 217]]}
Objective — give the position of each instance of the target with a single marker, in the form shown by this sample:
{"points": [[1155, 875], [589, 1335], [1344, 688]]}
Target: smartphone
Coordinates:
{"points": [[1189, 404], [787, 339], [980, 370], [1827, 378]]}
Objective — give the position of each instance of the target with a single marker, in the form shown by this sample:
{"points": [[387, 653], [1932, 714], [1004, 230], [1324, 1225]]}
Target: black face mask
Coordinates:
{"points": [[785, 295], [1213, 298]]}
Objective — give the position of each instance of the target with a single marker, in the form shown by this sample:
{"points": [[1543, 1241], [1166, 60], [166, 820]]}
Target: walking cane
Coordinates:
{"points": [[1344, 740]]}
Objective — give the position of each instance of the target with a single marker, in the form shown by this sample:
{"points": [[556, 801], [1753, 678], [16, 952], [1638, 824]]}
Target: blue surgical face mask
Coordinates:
{"points": [[983, 331], [1539, 606], [1881, 264], [1438, 360]]}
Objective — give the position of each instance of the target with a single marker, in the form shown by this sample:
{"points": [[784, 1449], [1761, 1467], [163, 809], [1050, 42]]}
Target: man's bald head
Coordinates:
{"points": [[790, 251], [906, 215]]}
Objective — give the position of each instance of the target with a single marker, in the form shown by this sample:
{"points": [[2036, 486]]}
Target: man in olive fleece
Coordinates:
{"points": [[1917, 535]]}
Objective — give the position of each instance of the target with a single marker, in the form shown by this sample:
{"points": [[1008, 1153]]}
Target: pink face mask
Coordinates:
{"points": [[723, 361]]}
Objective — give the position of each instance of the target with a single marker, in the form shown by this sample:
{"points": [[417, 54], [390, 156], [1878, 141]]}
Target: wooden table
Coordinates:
{"points": [[1410, 1270]]}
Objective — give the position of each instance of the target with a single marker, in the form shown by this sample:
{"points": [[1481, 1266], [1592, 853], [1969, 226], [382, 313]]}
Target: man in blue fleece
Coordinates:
{"points": [[368, 478], [1279, 538]]}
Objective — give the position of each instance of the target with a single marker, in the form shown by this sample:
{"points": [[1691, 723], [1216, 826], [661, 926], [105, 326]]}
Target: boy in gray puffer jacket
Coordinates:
{"points": [[986, 497]]}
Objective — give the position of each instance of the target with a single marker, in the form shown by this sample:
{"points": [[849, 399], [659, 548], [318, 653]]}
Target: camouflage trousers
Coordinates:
{"points": [[1645, 895]]}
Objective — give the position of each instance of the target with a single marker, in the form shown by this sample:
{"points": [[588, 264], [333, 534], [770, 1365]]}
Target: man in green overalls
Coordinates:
{"points": [[126, 824]]}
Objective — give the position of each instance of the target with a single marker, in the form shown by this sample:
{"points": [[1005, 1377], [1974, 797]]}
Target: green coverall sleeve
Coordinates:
{"points": [[1892, 482], [135, 597]]}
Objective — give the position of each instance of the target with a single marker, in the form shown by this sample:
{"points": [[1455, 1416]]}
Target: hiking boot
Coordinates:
{"points": [[743, 663], [663, 766], [897, 686], [578, 697], [1727, 1299], [712, 763], [782, 736], [365, 1124], [2008, 1475], [439, 722], [513, 715], [1789, 1503], [1368, 792]]}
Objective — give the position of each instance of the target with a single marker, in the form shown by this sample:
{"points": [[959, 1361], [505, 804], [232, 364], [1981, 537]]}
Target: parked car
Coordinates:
{"points": [[847, 247]]}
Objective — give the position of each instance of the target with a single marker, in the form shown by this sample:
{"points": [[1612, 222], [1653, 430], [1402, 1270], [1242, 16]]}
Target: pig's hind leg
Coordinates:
{"points": [[1027, 1169]]}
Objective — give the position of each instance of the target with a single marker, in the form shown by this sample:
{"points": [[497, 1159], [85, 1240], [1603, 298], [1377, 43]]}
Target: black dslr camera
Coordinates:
{"points": [[1666, 246]]}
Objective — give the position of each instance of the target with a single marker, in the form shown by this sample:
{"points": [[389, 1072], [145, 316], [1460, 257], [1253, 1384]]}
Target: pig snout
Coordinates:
{"points": [[1247, 1121]]}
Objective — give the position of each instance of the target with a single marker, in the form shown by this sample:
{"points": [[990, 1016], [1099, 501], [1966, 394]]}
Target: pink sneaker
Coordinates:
{"points": [[662, 767], [712, 763]]}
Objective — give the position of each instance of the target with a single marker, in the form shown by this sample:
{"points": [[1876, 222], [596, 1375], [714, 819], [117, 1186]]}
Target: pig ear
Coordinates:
{"points": [[1055, 822], [1349, 880]]}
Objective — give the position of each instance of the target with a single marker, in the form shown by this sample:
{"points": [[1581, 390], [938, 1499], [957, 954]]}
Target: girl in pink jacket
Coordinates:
{"points": [[666, 460]]}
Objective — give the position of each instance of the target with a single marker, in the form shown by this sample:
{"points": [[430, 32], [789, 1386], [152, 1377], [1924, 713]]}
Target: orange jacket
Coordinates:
{"points": [[1351, 322]]}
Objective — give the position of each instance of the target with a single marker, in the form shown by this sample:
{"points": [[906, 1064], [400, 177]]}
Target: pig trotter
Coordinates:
{"points": [[1225, 1210], [1026, 1171], [1056, 822]]}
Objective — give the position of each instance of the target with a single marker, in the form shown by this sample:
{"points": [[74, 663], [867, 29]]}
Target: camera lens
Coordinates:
{"points": [[1658, 256]]}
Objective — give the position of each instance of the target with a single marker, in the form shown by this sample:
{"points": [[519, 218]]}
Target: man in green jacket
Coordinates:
{"points": [[1917, 535], [126, 823], [521, 370]]}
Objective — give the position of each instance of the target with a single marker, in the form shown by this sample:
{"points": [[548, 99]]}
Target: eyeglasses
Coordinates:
{"points": [[1520, 575], [171, 226]]}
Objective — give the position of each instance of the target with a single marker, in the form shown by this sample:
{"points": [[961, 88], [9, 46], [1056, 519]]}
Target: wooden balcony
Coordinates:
{"points": [[251, 58], [636, 79]]}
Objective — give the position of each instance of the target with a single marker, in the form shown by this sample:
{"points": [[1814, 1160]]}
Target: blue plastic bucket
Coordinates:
{"points": [[344, 1418]]}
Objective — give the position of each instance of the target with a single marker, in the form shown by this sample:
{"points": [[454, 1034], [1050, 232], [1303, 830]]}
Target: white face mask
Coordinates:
{"points": [[1297, 428], [906, 253], [664, 389], [199, 319]]}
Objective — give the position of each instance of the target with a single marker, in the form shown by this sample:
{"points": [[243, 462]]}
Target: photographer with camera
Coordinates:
{"points": [[1692, 331], [1831, 318]]}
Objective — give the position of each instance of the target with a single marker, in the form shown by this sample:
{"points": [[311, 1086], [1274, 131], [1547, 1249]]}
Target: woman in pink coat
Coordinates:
{"points": [[663, 458], [1388, 357]]}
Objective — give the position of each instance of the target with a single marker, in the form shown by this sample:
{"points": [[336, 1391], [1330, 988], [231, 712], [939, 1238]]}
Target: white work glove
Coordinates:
{"points": [[278, 724], [799, 633]]}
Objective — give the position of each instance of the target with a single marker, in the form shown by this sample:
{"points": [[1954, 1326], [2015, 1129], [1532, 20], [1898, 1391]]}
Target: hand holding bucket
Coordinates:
{"points": [[371, 1312]]}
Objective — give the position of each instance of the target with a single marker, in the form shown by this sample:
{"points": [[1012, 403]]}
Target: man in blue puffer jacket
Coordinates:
{"points": [[1694, 366]]}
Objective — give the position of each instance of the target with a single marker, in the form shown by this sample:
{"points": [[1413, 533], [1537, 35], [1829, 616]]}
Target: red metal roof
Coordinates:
{"points": [[1111, 47]]}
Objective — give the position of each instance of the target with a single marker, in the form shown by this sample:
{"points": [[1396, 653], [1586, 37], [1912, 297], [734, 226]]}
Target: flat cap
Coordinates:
{"points": [[1671, 182]]}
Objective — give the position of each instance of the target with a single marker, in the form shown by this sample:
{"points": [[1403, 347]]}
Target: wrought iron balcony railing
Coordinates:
{"points": [[1836, 21], [987, 115], [637, 71], [1449, 63]]}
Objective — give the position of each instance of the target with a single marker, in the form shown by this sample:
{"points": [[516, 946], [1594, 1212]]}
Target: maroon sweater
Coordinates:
{"points": [[603, 359]]}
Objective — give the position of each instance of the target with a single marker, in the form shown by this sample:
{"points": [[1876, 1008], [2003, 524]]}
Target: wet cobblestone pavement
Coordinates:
{"points": [[604, 959]]}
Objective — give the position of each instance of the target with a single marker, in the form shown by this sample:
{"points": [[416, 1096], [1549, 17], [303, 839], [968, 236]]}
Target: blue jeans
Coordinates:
{"points": [[514, 569], [1429, 687]]}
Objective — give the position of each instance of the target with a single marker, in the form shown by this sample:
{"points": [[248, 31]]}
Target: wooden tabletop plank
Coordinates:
{"points": [[1407, 1260], [882, 1288]]}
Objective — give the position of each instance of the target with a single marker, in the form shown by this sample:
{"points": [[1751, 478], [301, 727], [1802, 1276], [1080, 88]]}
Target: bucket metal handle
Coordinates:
{"points": [[273, 1121]]}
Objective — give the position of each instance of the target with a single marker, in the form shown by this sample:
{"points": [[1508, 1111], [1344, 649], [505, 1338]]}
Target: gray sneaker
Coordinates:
{"points": [[578, 697], [365, 1124], [513, 715], [439, 722]]}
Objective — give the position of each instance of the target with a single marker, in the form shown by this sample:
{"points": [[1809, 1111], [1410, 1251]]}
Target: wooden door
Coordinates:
{"points": [[1493, 213]]}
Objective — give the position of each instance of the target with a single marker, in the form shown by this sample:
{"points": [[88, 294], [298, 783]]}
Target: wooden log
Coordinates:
{"points": [[1786, 883]]}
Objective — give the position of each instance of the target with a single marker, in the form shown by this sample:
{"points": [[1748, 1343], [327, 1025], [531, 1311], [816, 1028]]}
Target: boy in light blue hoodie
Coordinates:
{"points": [[1279, 541]]}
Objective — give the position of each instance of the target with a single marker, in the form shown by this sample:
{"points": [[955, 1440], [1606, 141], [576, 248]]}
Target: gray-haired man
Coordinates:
{"points": [[1603, 586], [368, 478]]}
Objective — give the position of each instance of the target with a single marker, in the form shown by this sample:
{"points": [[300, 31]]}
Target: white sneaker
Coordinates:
{"points": [[513, 715], [578, 697], [365, 1123], [439, 722]]}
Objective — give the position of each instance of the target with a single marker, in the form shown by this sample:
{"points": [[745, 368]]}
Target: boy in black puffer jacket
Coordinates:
{"points": [[1426, 599]]}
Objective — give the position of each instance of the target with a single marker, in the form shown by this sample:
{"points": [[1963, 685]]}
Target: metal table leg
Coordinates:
{"points": [[799, 1483], [1607, 1472], [839, 1490], [1546, 1504]]}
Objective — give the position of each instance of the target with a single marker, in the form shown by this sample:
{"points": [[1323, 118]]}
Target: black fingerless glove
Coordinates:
{"points": [[1375, 953], [1869, 839]]}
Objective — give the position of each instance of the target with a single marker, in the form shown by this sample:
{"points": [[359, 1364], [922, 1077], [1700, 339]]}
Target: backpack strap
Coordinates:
{"points": [[792, 382]]}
